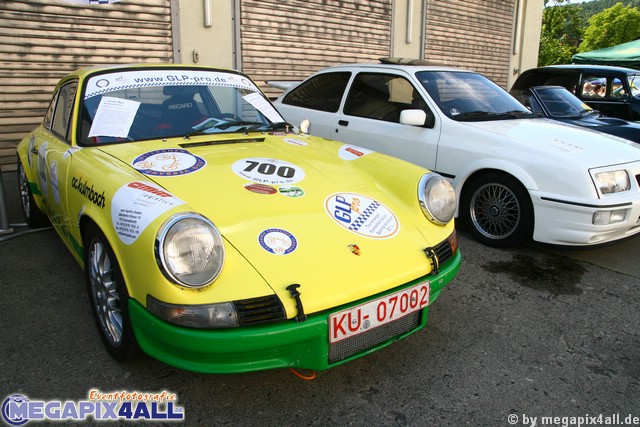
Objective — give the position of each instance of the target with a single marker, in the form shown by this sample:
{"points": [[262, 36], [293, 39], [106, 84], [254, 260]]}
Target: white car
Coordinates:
{"points": [[517, 176]]}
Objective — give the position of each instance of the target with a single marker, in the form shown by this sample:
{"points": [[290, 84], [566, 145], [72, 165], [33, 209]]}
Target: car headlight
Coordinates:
{"points": [[189, 250], [613, 181], [204, 316], [437, 198]]}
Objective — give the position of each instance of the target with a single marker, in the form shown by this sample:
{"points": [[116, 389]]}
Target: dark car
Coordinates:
{"points": [[614, 91], [556, 102]]}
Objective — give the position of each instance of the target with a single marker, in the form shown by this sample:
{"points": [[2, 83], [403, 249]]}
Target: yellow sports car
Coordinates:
{"points": [[217, 240]]}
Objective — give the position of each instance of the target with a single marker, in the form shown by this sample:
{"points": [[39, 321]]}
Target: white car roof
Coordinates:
{"points": [[409, 68]]}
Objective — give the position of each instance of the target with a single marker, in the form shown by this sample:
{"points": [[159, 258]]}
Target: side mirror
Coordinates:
{"points": [[417, 118]]}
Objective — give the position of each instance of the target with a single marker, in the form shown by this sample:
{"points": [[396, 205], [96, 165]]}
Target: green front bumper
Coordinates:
{"points": [[287, 344]]}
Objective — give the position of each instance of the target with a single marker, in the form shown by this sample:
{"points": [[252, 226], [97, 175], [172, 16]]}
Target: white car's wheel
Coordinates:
{"points": [[497, 209]]}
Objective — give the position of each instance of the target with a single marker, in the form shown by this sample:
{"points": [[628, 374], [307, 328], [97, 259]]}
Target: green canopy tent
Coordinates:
{"points": [[622, 55]]}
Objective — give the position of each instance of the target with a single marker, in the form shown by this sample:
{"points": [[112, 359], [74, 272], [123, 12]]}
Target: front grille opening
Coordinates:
{"points": [[357, 343], [254, 311], [443, 251]]}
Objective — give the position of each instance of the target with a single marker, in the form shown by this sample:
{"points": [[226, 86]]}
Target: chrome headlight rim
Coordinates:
{"points": [[163, 263], [428, 210]]}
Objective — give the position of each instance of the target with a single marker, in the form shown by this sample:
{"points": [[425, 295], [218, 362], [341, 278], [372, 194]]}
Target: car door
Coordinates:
{"points": [[370, 118], [606, 93], [50, 152]]}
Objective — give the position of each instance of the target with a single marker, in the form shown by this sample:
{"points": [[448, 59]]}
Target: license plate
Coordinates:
{"points": [[356, 320]]}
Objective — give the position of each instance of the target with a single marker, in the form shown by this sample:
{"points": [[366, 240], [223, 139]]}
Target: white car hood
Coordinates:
{"points": [[592, 147]]}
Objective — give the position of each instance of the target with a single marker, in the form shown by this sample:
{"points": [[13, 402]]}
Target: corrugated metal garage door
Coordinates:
{"points": [[41, 40], [473, 34], [290, 39]]}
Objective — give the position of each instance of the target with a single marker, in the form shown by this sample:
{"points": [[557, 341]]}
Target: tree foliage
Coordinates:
{"points": [[615, 25], [561, 30], [590, 8], [571, 28]]}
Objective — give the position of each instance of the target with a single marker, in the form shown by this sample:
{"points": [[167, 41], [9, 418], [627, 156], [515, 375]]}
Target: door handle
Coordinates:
{"points": [[343, 122]]}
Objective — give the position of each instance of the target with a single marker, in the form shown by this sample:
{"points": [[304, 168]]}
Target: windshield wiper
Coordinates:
{"points": [[278, 125], [245, 126], [473, 115], [212, 123], [586, 112], [515, 114], [487, 115]]}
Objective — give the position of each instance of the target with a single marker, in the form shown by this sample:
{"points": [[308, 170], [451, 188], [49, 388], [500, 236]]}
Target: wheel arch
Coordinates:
{"points": [[523, 231], [509, 170]]}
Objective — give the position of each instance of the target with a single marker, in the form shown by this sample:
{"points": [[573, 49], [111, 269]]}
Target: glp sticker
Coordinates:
{"points": [[277, 241], [268, 171], [362, 215], [169, 162], [352, 152]]}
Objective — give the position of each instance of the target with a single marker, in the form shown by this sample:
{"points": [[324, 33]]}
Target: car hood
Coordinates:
{"points": [[610, 125], [594, 149], [288, 205]]}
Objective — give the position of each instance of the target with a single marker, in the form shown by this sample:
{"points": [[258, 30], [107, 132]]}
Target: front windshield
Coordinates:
{"points": [[559, 102], [465, 96], [145, 104]]}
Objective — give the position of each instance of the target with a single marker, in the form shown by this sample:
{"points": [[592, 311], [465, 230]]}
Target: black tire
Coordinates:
{"points": [[108, 296], [34, 217], [497, 210]]}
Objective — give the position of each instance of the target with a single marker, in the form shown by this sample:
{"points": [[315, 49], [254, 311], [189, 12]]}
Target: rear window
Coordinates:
{"points": [[322, 92]]}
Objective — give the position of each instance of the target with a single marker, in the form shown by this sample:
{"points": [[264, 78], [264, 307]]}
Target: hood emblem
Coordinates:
{"points": [[354, 249]]}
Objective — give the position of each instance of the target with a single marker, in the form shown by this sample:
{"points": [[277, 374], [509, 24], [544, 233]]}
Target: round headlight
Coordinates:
{"points": [[189, 250], [437, 198]]}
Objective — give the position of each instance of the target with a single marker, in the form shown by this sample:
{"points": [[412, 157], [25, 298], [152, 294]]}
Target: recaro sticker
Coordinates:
{"points": [[277, 241], [137, 204], [268, 171], [352, 152], [169, 162], [362, 215]]}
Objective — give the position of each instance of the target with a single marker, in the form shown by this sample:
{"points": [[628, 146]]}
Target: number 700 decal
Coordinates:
{"points": [[268, 171]]}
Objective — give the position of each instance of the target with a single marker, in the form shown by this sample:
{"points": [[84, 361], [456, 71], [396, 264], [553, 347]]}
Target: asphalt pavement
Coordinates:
{"points": [[521, 334]]}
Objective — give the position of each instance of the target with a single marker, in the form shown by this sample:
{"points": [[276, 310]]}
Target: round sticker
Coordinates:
{"points": [[168, 162], [277, 241], [260, 188], [352, 152], [362, 215], [268, 171]]}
